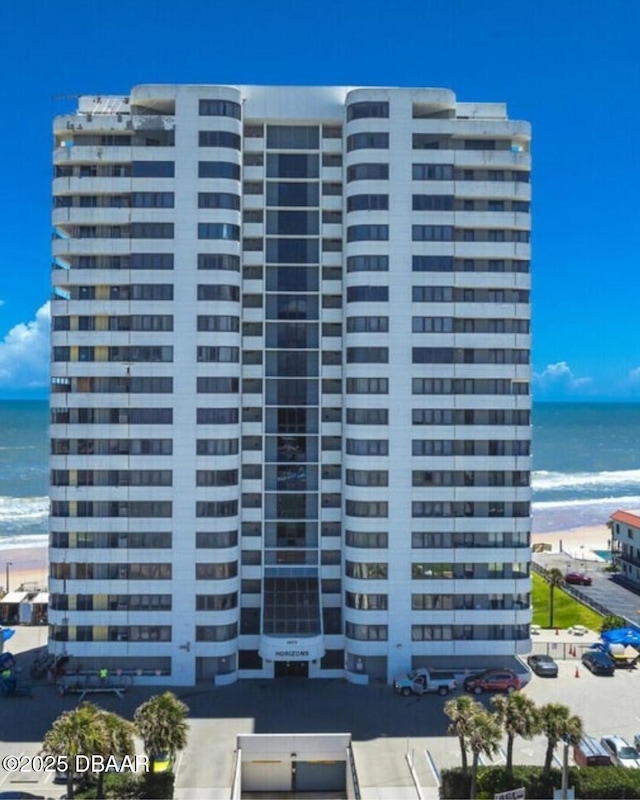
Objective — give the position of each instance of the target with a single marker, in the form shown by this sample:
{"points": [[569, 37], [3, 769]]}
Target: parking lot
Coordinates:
{"points": [[385, 727]]}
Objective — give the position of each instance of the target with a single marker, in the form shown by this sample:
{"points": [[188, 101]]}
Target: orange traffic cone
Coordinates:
{"points": [[577, 673]]}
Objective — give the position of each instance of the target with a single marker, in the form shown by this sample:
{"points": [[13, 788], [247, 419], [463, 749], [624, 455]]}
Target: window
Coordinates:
{"points": [[433, 172], [432, 325], [367, 324], [217, 385], [219, 139], [368, 263], [368, 172], [292, 165], [366, 633], [368, 416], [218, 230], [216, 572], [368, 539], [293, 137], [219, 108], [218, 261], [218, 169], [367, 386], [151, 261], [207, 540], [152, 199], [218, 354], [368, 233], [216, 508], [432, 294], [367, 294], [217, 323], [432, 202], [292, 251], [292, 223], [367, 477], [284, 193], [152, 169], [217, 416], [152, 230], [367, 355], [366, 602], [368, 202], [363, 141], [219, 200], [367, 447], [368, 110], [215, 291], [432, 233]]}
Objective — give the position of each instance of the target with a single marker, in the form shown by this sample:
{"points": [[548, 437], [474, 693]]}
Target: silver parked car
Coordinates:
{"points": [[621, 752]]}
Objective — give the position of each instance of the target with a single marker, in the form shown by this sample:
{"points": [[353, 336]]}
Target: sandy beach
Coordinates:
{"points": [[579, 543], [27, 565]]}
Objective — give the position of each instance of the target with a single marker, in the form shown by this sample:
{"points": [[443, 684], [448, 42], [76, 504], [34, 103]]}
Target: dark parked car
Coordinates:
{"points": [[493, 680], [543, 665], [578, 578], [599, 663]]}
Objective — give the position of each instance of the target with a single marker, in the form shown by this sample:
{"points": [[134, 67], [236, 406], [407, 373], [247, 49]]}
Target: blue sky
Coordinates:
{"points": [[571, 68]]}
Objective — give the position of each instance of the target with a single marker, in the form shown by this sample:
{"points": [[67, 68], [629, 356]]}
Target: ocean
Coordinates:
{"points": [[586, 464]]}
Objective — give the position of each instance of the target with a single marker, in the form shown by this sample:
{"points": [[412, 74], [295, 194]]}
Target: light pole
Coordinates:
{"points": [[7, 571]]}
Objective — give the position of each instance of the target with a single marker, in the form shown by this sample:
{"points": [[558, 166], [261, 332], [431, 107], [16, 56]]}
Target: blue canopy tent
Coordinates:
{"points": [[624, 636]]}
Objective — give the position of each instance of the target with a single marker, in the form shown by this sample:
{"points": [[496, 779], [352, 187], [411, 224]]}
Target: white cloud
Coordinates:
{"points": [[24, 353], [559, 379]]}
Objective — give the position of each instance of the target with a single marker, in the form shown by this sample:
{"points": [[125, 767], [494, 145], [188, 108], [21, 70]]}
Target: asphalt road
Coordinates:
{"points": [[606, 589]]}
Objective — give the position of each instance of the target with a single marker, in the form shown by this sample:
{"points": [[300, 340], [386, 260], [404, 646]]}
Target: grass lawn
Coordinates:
{"points": [[566, 610]]}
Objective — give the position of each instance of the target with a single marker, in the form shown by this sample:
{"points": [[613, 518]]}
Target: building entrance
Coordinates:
{"points": [[291, 669]]}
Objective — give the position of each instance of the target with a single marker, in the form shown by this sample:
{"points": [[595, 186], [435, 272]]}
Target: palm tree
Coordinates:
{"points": [[161, 722], [80, 732], [518, 716], [119, 741], [554, 578], [483, 738], [558, 724], [459, 710]]}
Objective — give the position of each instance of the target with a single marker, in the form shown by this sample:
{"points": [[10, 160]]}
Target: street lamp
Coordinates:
{"points": [[7, 571]]}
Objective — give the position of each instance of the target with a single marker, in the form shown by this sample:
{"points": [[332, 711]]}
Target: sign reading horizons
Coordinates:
{"points": [[280, 648]]}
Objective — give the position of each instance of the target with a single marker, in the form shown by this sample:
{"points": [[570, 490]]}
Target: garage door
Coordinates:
{"points": [[321, 776], [266, 776]]}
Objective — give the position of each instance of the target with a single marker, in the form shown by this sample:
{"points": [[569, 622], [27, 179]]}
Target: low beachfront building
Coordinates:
{"points": [[625, 544]]}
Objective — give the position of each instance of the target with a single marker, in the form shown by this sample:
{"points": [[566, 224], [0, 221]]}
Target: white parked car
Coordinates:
{"points": [[621, 752]]}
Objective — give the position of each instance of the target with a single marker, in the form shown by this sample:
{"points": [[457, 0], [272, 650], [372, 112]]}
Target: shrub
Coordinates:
{"points": [[590, 783], [158, 786], [612, 622]]}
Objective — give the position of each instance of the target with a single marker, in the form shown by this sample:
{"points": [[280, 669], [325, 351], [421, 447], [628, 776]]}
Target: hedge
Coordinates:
{"points": [[590, 783]]}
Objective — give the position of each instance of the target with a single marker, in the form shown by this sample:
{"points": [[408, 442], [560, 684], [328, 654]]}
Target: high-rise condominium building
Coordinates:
{"points": [[290, 409]]}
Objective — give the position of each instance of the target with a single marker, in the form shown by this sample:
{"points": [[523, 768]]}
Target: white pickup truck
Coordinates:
{"points": [[422, 681]]}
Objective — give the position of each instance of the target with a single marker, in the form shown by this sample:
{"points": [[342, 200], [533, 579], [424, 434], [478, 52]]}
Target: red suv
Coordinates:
{"points": [[493, 680], [578, 578]]}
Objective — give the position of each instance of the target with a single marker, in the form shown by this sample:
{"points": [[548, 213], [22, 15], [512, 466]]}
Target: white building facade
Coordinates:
{"points": [[290, 409]]}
